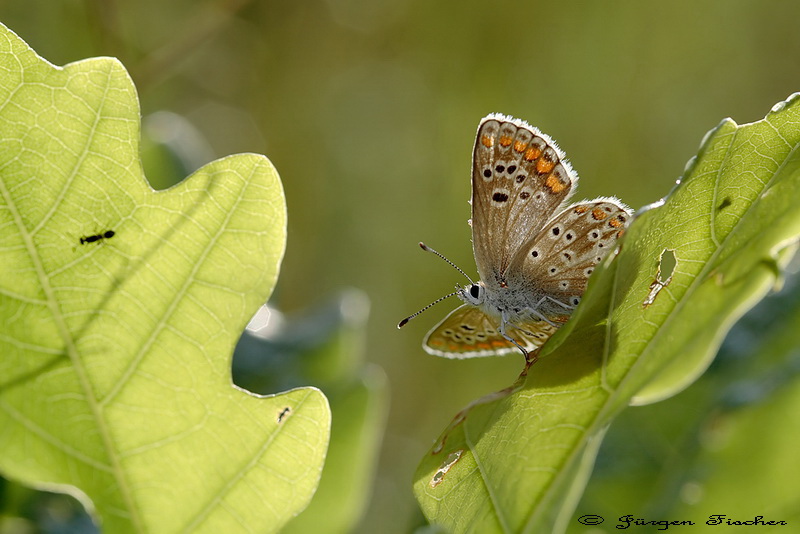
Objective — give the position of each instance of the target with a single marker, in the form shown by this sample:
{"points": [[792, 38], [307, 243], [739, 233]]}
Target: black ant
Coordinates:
{"points": [[108, 234]]}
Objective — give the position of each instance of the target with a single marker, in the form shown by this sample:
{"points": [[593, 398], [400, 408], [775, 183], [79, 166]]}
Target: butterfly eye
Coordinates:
{"points": [[475, 291]]}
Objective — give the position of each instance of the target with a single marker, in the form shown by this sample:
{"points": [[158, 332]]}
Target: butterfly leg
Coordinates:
{"points": [[567, 306], [538, 314], [502, 330]]}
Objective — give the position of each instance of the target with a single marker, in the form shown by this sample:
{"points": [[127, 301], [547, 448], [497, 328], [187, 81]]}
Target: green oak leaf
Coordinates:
{"points": [[519, 462], [115, 353], [683, 458], [758, 412], [326, 346]]}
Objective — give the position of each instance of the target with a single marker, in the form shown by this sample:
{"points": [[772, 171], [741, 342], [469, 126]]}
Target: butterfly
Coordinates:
{"points": [[534, 255]]}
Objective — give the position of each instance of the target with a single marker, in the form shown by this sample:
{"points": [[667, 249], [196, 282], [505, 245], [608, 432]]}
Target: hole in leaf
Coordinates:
{"points": [[664, 270], [666, 267], [448, 462]]}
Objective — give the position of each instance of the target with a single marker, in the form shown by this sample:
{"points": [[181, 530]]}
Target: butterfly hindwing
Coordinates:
{"points": [[467, 332], [519, 180], [560, 258]]}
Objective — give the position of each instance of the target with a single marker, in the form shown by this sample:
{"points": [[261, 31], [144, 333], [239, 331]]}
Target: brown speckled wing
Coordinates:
{"points": [[519, 180], [560, 258], [467, 332]]}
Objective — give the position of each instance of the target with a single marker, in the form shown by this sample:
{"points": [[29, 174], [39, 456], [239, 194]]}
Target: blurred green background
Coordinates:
{"points": [[369, 108]]}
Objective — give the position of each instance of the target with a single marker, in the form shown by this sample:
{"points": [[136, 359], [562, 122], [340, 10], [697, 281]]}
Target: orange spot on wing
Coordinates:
{"points": [[554, 184], [581, 209], [615, 223], [487, 141], [484, 346], [532, 153], [543, 166], [499, 343], [505, 140], [435, 342], [598, 214], [519, 146]]}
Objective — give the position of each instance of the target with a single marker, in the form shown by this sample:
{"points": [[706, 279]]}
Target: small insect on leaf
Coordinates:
{"points": [[286, 411], [108, 234]]}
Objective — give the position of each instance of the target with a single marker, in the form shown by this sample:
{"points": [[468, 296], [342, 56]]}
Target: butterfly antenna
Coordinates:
{"points": [[402, 323], [426, 248]]}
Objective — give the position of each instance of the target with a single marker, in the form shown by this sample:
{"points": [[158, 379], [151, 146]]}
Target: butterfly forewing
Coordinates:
{"points": [[560, 258], [519, 180], [467, 332]]}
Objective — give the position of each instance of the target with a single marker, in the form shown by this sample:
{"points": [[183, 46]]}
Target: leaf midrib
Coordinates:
{"points": [[710, 263], [601, 413], [59, 320]]}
